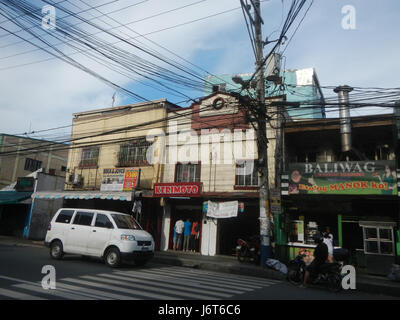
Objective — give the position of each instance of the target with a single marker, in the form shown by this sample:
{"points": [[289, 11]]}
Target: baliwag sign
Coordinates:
{"points": [[352, 177]]}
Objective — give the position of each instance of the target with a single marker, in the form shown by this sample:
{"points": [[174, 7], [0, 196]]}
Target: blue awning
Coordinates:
{"points": [[13, 197]]}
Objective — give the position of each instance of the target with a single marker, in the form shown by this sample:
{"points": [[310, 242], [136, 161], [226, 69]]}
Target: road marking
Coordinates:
{"points": [[177, 289], [118, 289], [18, 295], [213, 279], [189, 283], [237, 278], [62, 293], [176, 292]]}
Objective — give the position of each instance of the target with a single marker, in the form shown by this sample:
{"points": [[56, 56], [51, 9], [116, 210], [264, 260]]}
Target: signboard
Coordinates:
{"points": [[131, 179], [120, 179], [351, 178], [227, 209], [177, 189]]}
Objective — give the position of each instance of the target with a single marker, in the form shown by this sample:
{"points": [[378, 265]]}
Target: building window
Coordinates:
{"points": [[63, 168], [378, 240], [133, 153], [246, 174], [90, 157], [189, 172], [32, 164]]}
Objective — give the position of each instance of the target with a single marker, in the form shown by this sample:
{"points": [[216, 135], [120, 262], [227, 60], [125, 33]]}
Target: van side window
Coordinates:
{"points": [[83, 218], [65, 216], [101, 221]]}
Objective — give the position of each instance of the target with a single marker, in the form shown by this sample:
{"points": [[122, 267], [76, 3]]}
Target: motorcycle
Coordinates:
{"points": [[329, 274], [248, 250]]}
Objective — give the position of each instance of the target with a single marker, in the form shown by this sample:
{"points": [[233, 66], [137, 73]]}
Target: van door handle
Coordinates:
{"points": [[94, 230], [72, 228]]}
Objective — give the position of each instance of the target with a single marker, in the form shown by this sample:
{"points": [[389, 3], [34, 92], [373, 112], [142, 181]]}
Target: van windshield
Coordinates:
{"points": [[125, 222]]}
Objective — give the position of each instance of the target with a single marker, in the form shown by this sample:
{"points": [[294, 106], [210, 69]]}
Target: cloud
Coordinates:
{"points": [[44, 95]]}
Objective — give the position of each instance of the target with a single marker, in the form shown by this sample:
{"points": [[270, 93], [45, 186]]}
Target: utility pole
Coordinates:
{"points": [[262, 141]]}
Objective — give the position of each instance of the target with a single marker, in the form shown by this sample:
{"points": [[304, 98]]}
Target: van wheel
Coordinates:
{"points": [[112, 257], [56, 250]]}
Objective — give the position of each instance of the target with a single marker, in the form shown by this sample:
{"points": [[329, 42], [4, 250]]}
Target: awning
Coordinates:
{"points": [[84, 195], [13, 197]]}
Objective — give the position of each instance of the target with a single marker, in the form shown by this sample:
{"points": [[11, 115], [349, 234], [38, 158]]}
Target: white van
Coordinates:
{"points": [[113, 236]]}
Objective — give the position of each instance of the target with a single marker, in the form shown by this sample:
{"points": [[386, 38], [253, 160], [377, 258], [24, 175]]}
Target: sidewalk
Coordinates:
{"points": [[228, 264]]}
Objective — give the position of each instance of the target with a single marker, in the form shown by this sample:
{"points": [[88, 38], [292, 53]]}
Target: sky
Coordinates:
{"points": [[39, 92]]}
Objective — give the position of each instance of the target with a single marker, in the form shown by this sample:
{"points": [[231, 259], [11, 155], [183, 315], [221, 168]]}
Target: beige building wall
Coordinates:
{"points": [[12, 166], [217, 161], [102, 129]]}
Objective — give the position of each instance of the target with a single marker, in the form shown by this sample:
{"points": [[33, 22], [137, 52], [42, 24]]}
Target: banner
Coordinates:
{"points": [[351, 178], [222, 209], [177, 189], [120, 179]]}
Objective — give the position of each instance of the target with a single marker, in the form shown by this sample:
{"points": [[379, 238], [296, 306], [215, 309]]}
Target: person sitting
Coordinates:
{"points": [[320, 257]]}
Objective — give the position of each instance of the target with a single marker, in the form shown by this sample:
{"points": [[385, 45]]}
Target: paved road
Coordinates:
{"points": [[78, 278]]}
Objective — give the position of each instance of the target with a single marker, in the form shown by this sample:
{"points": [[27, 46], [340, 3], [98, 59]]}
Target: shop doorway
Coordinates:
{"points": [[184, 212], [352, 238], [243, 226], [13, 218]]}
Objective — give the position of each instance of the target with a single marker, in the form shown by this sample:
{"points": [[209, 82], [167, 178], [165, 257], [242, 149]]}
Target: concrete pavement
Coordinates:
{"points": [[227, 264]]}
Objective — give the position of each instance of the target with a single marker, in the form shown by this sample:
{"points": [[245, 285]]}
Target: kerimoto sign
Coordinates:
{"points": [[352, 177], [177, 189]]}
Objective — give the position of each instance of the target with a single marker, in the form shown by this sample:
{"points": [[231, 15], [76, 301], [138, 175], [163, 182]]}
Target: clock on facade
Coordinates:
{"points": [[218, 103]]}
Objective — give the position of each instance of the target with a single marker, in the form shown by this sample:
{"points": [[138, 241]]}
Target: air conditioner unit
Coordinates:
{"points": [[77, 179]]}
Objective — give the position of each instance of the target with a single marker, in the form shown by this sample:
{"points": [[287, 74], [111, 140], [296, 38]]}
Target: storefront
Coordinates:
{"points": [[356, 200], [223, 217]]}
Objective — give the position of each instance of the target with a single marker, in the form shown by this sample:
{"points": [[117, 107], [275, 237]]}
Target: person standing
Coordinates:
{"points": [[186, 234], [179, 226], [328, 240], [329, 244], [194, 236]]}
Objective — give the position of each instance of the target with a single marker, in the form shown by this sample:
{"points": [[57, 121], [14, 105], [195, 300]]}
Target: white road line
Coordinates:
{"points": [[95, 294], [172, 285], [173, 291], [213, 279], [55, 293], [59, 285], [119, 289], [18, 295], [237, 278], [188, 283]]}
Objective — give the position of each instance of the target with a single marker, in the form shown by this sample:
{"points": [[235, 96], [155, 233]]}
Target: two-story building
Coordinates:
{"points": [[21, 160], [354, 193], [110, 162], [20, 156], [210, 173]]}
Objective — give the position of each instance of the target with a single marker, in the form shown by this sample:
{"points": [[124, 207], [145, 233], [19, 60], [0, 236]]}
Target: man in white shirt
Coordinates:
{"points": [[328, 240], [179, 226]]}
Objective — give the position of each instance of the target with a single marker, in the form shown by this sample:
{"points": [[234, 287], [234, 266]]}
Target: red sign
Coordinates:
{"points": [[131, 178], [177, 189]]}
